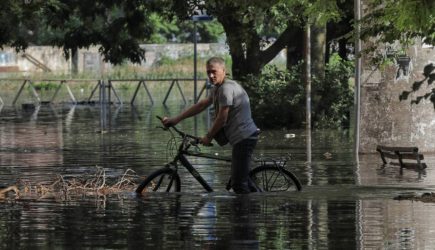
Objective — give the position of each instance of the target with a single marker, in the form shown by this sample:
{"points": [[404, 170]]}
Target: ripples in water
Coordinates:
{"points": [[344, 205]]}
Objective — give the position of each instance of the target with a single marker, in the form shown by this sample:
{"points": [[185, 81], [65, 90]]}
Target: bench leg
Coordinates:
{"points": [[382, 156], [400, 158]]}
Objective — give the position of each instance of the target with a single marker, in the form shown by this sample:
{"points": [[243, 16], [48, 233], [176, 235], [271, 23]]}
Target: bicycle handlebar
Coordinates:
{"points": [[196, 139]]}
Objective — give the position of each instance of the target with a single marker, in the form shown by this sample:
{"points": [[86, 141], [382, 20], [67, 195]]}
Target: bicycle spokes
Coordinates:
{"points": [[170, 184], [274, 180], [163, 180]]}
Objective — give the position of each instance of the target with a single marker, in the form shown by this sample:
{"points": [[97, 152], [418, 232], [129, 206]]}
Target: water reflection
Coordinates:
{"points": [[341, 207]]}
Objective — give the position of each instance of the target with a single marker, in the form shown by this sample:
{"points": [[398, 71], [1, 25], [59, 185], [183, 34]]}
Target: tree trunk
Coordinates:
{"points": [[245, 47], [342, 50], [318, 43], [245, 55], [74, 61], [295, 47]]}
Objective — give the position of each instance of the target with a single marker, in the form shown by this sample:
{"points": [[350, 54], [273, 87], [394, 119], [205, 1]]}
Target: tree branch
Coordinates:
{"points": [[268, 54]]}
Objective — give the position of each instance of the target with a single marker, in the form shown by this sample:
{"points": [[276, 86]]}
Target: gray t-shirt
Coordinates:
{"points": [[239, 123]]}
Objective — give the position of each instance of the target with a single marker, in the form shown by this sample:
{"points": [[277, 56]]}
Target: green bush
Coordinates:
{"points": [[278, 97], [334, 96], [45, 85]]}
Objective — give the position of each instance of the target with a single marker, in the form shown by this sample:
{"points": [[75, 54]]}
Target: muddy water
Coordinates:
{"points": [[346, 203]]}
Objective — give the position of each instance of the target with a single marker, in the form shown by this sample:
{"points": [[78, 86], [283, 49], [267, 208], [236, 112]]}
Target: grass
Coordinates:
{"points": [[166, 68]]}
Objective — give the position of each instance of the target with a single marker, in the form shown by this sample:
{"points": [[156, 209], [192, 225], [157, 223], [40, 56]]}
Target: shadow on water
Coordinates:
{"points": [[343, 205]]}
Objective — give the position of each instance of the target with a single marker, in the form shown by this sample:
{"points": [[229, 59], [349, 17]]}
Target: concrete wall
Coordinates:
{"points": [[386, 120], [49, 56], [90, 59]]}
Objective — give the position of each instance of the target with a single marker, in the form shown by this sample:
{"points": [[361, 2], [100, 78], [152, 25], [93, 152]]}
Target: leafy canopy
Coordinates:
{"points": [[116, 26], [403, 20]]}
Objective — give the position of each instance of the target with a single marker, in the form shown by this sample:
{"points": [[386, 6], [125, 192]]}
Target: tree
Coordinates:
{"points": [[117, 26], [400, 20], [174, 30], [15, 23], [250, 25]]}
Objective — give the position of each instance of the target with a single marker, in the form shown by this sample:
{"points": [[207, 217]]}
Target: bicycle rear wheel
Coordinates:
{"points": [[271, 178], [163, 180]]}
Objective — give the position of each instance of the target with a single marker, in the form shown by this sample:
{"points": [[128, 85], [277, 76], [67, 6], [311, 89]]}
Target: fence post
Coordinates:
{"points": [[103, 104]]}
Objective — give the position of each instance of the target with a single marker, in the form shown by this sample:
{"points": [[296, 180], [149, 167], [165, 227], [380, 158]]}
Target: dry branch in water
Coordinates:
{"points": [[96, 185]]}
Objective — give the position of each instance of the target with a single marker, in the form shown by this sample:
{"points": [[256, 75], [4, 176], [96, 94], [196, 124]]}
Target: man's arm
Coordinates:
{"points": [[218, 123], [191, 111]]}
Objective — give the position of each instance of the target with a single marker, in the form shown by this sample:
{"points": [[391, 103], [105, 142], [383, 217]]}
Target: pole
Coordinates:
{"points": [[307, 53], [197, 18], [103, 104], [194, 63], [357, 75]]}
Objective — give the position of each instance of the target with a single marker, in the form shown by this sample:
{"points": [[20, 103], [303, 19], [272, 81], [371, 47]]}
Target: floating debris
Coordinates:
{"points": [[95, 185], [425, 197], [327, 155], [5, 190], [288, 136]]}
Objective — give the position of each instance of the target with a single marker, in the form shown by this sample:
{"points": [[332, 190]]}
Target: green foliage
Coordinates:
{"points": [[333, 97], [258, 30], [15, 22], [162, 29], [117, 26], [390, 21], [278, 96], [403, 20], [45, 85], [173, 30], [320, 11]]}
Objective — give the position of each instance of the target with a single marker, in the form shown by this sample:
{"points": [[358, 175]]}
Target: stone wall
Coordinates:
{"points": [[90, 59], [48, 56], [385, 120]]}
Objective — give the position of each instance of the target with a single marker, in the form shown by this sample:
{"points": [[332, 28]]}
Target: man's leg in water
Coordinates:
{"points": [[241, 163]]}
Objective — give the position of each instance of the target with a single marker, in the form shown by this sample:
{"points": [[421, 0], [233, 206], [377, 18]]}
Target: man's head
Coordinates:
{"points": [[216, 70]]}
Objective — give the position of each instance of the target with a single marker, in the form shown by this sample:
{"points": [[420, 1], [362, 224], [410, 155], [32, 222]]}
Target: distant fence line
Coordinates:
{"points": [[105, 89]]}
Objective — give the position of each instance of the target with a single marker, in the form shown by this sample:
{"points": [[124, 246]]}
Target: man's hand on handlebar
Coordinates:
{"points": [[206, 141], [169, 122]]}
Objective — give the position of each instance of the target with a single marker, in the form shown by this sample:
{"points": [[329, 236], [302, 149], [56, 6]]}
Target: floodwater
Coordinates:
{"points": [[346, 203]]}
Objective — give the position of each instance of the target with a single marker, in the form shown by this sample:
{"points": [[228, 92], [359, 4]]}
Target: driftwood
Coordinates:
{"points": [[64, 188]]}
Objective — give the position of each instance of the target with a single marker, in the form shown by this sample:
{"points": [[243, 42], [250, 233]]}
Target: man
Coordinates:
{"points": [[233, 115]]}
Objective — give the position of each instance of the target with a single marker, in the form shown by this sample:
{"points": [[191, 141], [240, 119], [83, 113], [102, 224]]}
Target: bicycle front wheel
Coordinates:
{"points": [[163, 180], [271, 178]]}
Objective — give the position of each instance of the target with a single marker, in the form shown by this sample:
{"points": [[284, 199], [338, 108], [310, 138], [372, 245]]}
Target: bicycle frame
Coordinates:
{"points": [[181, 157], [190, 140]]}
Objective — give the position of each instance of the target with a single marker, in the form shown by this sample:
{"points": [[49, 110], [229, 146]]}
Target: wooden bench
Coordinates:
{"points": [[401, 154]]}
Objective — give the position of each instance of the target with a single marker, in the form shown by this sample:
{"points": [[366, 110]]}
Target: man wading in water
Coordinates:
{"points": [[233, 123]]}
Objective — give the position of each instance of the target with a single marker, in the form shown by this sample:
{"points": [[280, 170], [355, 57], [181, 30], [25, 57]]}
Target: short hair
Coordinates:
{"points": [[216, 60]]}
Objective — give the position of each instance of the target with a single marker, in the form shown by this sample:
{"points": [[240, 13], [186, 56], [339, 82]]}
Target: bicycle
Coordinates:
{"points": [[270, 175]]}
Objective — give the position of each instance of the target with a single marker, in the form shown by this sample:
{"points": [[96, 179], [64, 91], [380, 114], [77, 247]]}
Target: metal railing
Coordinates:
{"points": [[105, 87]]}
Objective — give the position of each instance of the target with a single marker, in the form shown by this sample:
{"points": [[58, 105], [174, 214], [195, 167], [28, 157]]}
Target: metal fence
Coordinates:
{"points": [[105, 89]]}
